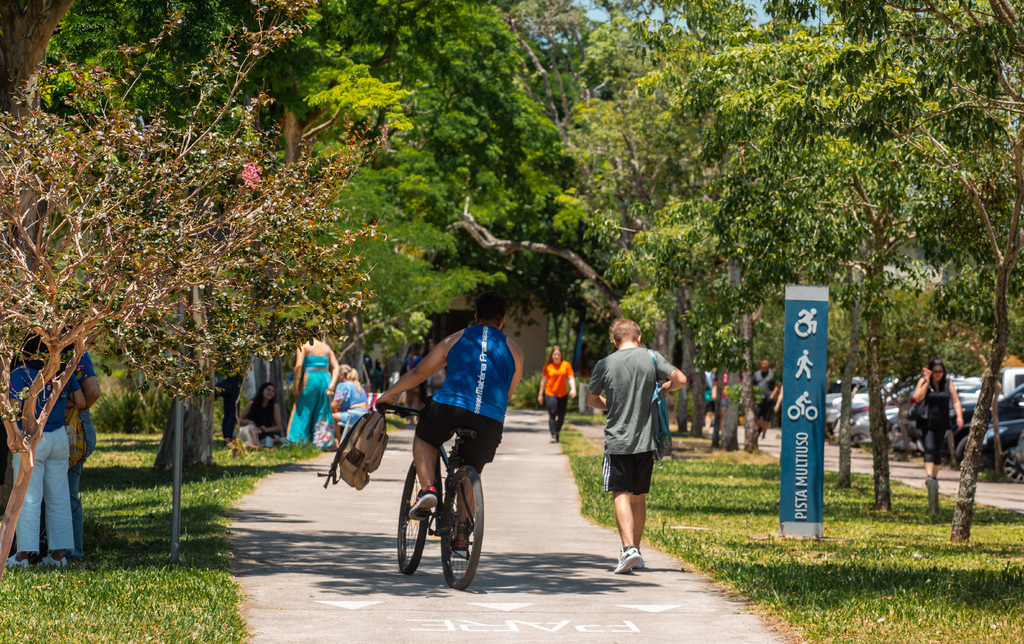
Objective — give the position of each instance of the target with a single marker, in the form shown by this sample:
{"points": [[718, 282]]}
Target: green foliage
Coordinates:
{"points": [[525, 396], [878, 578], [165, 235], [127, 411], [127, 591]]}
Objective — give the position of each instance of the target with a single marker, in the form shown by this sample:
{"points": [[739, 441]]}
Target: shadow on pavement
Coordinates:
{"points": [[361, 564]]}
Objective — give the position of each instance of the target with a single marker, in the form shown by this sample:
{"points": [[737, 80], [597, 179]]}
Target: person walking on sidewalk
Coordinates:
{"points": [[557, 386], [764, 380], [484, 367], [627, 379], [937, 392]]}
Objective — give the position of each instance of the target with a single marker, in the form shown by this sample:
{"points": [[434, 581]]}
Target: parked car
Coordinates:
{"points": [[860, 425], [858, 405], [1010, 405], [1010, 439], [1013, 448], [837, 386]]}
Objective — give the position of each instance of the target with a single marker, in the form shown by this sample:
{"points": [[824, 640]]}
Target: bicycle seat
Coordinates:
{"points": [[463, 432]]}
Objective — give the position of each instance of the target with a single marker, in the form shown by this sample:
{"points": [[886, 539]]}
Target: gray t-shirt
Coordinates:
{"points": [[765, 382], [626, 379]]}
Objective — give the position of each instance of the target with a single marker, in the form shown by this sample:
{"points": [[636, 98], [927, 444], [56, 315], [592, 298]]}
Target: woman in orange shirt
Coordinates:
{"points": [[557, 385]]}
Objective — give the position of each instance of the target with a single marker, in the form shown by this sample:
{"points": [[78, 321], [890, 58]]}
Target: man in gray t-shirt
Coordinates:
{"points": [[627, 380], [764, 381]]}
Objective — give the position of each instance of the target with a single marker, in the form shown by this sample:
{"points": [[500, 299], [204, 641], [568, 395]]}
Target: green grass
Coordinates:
{"points": [[127, 590], [891, 578]]}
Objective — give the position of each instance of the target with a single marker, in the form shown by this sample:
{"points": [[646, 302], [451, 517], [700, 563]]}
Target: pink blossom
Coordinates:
{"points": [[251, 175]]}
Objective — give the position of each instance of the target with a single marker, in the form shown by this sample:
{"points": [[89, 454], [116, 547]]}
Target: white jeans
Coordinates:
{"points": [[50, 482]]}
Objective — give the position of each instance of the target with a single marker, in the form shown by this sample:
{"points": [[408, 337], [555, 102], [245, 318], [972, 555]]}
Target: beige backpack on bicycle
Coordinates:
{"points": [[363, 450]]}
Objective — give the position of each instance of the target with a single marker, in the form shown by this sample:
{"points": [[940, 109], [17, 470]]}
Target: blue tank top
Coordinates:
{"points": [[479, 373]]}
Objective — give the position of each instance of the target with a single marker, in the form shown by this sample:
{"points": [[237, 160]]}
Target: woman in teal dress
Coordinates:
{"points": [[316, 374]]}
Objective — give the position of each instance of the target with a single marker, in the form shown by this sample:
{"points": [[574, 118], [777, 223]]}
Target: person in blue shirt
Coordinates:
{"points": [[85, 376], [49, 479], [350, 402], [484, 367]]}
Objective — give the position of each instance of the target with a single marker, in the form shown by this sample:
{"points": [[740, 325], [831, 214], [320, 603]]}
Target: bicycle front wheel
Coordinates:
{"points": [[411, 534], [463, 532]]}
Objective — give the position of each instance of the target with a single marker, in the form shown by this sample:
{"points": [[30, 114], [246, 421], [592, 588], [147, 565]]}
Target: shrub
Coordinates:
{"points": [[127, 411], [525, 396]]}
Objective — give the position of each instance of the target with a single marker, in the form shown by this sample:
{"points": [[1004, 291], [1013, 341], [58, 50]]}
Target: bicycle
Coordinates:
{"points": [[456, 514]]}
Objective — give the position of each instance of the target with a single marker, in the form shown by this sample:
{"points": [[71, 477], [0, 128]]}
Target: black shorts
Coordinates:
{"points": [[628, 472], [438, 423], [765, 409], [709, 406]]}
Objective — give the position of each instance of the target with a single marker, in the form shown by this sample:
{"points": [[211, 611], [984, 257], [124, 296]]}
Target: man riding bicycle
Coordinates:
{"points": [[484, 367]]}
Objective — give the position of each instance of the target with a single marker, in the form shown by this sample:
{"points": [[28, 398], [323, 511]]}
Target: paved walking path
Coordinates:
{"points": [[320, 565]]}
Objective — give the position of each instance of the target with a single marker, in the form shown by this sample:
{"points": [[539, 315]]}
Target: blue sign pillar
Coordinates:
{"points": [[804, 365]]}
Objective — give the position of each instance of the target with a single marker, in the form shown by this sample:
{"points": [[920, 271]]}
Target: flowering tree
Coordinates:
{"points": [[182, 241]]}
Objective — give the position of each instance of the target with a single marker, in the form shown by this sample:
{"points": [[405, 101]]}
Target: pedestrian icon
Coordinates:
{"points": [[803, 365]]}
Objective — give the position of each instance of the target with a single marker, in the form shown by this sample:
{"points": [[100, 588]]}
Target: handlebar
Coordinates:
{"points": [[404, 412]]}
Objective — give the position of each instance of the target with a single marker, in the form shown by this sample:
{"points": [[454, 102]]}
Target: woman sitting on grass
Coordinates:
{"points": [[260, 423]]}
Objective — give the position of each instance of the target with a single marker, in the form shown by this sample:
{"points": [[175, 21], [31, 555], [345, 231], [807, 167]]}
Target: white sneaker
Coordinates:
{"points": [[628, 559], [50, 561], [12, 562], [425, 502], [641, 565]]}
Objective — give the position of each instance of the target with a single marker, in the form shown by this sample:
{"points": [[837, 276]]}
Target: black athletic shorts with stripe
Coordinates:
{"points": [[438, 422], [628, 472]]}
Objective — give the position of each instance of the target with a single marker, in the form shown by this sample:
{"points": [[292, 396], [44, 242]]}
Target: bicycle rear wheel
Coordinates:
{"points": [[465, 497], [411, 534]]}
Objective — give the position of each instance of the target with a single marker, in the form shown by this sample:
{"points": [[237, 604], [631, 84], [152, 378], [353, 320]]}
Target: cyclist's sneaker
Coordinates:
{"points": [[628, 559], [460, 547], [425, 502]]}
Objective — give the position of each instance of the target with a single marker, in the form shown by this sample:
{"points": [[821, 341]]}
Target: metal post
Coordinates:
{"points": [[179, 412]]}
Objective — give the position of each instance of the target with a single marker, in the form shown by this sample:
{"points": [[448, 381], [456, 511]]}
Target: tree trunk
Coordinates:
{"points": [[731, 411], [751, 431], [716, 431], [844, 412], [879, 424], [291, 130], [13, 509], [963, 515], [687, 368], [731, 419], [27, 31], [358, 347], [197, 426], [997, 442], [695, 375], [5, 489], [197, 435], [665, 344]]}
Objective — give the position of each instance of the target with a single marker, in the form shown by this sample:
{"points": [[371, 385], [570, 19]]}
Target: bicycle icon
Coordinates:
{"points": [[803, 407]]}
